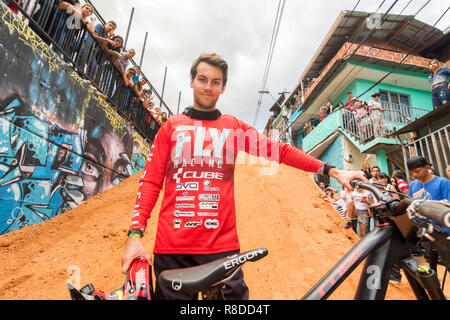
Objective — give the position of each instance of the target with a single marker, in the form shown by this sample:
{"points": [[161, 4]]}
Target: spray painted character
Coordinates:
{"points": [[39, 165]]}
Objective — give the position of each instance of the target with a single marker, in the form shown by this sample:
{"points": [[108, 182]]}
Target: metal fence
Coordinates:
{"points": [[380, 124], [80, 49], [435, 147]]}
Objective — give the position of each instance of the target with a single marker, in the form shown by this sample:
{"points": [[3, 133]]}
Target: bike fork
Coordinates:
{"points": [[423, 281]]}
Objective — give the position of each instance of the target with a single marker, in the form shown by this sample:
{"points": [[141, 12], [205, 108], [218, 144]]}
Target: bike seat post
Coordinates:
{"points": [[214, 293]]}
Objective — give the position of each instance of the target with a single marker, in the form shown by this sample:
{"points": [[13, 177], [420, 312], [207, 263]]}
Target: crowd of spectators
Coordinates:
{"points": [[365, 119], [353, 206], [70, 14]]}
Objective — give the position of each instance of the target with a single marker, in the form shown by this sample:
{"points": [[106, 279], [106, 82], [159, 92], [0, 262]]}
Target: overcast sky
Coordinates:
{"points": [[239, 30]]}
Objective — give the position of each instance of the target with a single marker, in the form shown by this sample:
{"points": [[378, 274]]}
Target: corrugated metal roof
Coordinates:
{"points": [[400, 30]]}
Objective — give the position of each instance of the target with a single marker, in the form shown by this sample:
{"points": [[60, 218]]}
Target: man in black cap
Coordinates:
{"points": [[431, 187], [426, 185]]}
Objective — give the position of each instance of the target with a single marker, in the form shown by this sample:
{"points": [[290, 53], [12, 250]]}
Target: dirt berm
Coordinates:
{"points": [[283, 213]]}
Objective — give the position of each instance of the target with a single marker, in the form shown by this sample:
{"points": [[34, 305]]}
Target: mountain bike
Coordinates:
{"points": [[399, 223]]}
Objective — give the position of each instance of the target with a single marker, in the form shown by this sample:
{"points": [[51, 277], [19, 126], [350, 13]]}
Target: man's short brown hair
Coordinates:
{"points": [[213, 59]]}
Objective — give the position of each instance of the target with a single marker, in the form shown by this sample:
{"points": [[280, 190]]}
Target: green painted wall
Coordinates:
{"points": [[418, 98]]}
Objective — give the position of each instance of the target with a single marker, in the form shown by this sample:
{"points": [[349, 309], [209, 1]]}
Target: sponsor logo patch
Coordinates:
{"points": [[209, 205], [184, 205], [178, 213], [193, 224], [207, 214], [208, 197], [177, 223], [211, 223], [187, 186]]}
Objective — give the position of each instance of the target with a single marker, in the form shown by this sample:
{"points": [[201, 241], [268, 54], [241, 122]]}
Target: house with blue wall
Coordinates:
{"points": [[363, 59]]}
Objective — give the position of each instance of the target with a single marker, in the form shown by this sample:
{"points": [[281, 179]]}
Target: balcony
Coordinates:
{"points": [[342, 120]]}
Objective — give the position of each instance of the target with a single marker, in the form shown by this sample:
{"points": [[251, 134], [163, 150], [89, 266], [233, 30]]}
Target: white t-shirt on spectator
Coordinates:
{"points": [[357, 199]]}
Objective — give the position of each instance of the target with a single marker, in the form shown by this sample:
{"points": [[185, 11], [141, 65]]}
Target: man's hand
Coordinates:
{"points": [[344, 177], [133, 249]]}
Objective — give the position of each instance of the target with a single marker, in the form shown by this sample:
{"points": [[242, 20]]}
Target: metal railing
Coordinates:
{"points": [[435, 147], [380, 124], [79, 48]]}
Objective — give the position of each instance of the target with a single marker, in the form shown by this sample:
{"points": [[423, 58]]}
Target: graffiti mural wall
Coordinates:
{"points": [[60, 142]]}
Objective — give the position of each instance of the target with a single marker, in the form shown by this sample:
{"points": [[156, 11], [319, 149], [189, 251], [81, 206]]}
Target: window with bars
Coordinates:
{"points": [[398, 104]]}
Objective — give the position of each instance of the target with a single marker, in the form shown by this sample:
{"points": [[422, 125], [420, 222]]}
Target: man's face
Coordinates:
{"points": [[420, 173], [117, 43], [349, 95], [109, 27], [433, 65], [86, 11], [207, 86], [374, 171], [130, 54]]}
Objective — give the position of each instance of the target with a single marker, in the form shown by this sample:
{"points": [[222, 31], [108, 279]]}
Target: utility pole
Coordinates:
{"points": [[129, 26], [143, 50], [164, 85], [179, 99]]}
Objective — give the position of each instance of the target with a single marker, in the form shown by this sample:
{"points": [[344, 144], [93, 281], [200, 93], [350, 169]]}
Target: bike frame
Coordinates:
{"points": [[383, 247]]}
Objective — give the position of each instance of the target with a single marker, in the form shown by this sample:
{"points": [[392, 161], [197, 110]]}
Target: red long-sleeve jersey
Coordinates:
{"points": [[197, 160]]}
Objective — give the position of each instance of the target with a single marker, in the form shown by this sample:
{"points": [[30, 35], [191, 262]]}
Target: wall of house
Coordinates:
{"points": [[60, 142], [418, 98], [334, 155]]}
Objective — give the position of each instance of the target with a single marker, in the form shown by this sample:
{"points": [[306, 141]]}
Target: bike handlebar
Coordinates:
{"points": [[375, 191], [433, 210], [436, 211]]}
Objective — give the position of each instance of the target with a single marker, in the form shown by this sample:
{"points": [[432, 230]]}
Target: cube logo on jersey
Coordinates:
{"points": [[181, 174]]}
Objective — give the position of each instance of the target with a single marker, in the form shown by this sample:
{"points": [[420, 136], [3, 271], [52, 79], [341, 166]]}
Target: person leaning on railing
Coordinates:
{"points": [[123, 59], [440, 93], [103, 34], [81, 12]]}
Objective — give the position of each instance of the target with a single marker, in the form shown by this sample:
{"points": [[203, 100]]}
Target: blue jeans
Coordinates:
{"points": [[440, 95]]}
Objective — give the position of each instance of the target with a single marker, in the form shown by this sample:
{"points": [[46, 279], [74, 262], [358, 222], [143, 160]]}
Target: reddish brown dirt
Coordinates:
{"points": [[284, 213]]}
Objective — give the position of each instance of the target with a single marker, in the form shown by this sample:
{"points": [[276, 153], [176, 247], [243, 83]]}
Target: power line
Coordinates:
{"points": [[273, 41], [388, 41], [364, 40], [404, 58]]}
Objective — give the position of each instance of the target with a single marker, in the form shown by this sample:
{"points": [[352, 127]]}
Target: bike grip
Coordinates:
{"points": [[399, 207], [435, 211], [355, 182]]}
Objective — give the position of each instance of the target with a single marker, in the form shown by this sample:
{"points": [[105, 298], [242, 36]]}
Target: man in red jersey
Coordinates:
{"points": [[194, 156]]}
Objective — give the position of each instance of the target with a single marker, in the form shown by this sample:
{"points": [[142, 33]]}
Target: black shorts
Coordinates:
{"points": [[235, 289]]}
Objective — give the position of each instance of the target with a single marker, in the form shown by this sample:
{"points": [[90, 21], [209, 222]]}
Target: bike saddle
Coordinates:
{"points": [[196, 279]]}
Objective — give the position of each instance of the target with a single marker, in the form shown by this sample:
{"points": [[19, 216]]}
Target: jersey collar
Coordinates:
{"points": [[202, 115]]}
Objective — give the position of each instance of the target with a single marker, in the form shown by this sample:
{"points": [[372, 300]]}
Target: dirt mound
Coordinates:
{"points": [[283, 212]]}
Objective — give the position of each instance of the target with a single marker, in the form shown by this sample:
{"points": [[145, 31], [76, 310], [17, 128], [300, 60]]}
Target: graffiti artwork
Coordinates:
{"points": [[60, 142]]}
